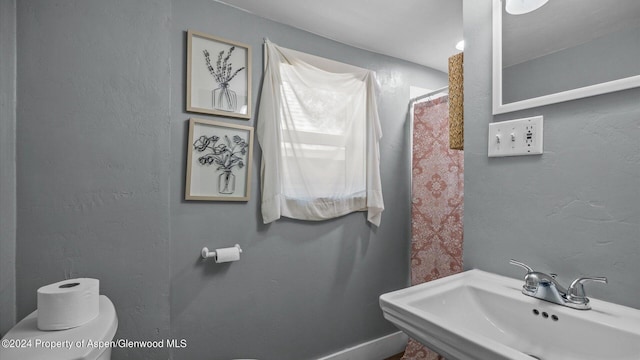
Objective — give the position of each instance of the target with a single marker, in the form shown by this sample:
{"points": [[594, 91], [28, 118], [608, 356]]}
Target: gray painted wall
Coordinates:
{"points": [[7, 164], [93, 120], [575, 210], [101, 141], [301, 289]]}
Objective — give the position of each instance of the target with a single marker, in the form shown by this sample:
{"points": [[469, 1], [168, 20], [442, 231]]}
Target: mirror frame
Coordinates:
{"points": [[573, 94]]}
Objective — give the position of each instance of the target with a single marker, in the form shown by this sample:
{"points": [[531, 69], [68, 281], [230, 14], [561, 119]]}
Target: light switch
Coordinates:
{"points": [[516, 137]]}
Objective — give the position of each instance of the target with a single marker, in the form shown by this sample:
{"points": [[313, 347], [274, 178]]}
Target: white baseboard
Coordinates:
{"points": [[376, 349]]}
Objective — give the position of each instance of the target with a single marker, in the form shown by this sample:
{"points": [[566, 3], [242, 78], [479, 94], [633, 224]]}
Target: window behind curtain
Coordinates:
{"points": [[323, 127]]}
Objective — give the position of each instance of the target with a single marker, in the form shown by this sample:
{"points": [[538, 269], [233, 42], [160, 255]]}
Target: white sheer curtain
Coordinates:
{"points": [[319, 131]]}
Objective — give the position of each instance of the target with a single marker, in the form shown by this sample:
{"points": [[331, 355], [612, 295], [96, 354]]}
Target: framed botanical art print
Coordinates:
{"points": [[218, 161], [218, 76]]}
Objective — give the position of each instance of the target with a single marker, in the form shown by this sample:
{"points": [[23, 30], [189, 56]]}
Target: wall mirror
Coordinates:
{"points": [[565, 50]]}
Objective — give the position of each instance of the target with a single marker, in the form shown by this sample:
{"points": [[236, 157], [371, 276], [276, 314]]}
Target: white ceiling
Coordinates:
{"points": [[421, 31], [426, 31]]}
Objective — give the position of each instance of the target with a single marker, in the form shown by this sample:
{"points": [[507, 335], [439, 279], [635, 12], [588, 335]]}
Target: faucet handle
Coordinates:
{"points": [[521, 264], [531, 280], [576, 293]]}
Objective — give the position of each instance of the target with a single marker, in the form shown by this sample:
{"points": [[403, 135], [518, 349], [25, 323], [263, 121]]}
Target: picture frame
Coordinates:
{"points": [[219, 161], [218, 76]]}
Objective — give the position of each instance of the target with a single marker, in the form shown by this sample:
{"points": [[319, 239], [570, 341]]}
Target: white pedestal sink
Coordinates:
{"points": [[476, 315]]}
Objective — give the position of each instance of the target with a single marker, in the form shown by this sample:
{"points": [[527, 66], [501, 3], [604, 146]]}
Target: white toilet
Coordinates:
{"points": [[25, 342]]}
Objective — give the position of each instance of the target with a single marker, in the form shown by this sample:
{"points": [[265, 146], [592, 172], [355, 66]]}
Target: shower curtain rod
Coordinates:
{"points": [[446, 88]]}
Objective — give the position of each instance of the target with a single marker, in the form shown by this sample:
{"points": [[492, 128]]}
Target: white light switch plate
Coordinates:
{"points": [[516, 137]]}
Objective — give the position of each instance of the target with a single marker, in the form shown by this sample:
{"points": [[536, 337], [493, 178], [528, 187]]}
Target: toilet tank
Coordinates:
{"points": [[26, 342]]}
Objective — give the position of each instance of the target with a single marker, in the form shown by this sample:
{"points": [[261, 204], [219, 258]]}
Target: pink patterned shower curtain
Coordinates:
{"points": [[437, 209]]}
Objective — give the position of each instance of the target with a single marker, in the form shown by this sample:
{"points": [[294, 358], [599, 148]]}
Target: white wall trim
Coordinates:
{"points": [[376, 349]]}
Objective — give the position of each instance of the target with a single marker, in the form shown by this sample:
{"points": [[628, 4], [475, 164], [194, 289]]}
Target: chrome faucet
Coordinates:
{"points": [[545, 287]]}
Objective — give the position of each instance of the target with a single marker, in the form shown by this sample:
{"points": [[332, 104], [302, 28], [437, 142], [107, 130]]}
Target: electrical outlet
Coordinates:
{"points": [[516, 137]]}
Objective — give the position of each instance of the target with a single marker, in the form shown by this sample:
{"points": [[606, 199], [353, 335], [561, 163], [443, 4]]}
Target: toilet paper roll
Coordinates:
{"points": [[227, 255], [68, 304]]}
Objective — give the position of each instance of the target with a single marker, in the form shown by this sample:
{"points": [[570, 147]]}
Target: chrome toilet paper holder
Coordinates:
{"points": [[212, 254]]}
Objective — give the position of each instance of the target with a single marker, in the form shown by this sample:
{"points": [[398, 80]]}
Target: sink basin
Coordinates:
{"points": [[476, 315]]}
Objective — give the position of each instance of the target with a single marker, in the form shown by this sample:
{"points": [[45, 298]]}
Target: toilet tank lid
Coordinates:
{"points": [[82, 342]]}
